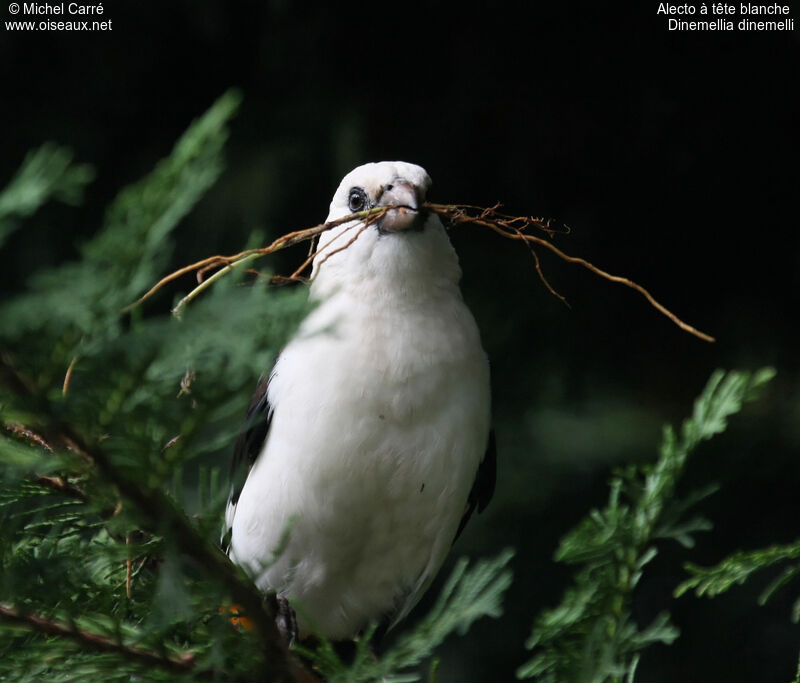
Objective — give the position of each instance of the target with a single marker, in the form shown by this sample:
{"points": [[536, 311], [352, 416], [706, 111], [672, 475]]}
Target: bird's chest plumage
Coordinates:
{"points": [[380, 420]]}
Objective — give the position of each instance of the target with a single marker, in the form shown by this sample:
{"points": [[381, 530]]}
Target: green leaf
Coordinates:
{"points": [[591, 635], [737, 568], [46, 173], [469, 594]]}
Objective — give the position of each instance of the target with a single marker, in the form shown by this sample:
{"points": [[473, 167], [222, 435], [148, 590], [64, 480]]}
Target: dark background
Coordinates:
{"points": [[672, 156]]}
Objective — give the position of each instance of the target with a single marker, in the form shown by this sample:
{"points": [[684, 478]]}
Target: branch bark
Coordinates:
{"points": [[162, 514], [98, 643]]}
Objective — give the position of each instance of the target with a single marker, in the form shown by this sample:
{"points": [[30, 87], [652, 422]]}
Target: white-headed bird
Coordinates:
{"points": [[368, 446]]}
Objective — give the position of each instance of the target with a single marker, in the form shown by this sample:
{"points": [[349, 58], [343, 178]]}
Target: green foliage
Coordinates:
{"points": [[468, 595], [47, 173], [591, 636], [737, 568], [148, 396], [104, 574], [84, 299], [102, 412]]}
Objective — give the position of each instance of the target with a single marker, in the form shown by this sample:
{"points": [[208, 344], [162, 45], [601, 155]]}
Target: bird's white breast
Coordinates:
{"points": [[381, 415]]}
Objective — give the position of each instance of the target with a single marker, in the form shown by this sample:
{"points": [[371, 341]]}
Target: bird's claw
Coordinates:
{"points": [[286, 620]]}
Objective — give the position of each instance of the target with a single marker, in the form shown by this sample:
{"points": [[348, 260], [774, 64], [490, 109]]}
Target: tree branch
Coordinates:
{"points": [[100, 643], [510, 227], [160, 511]]}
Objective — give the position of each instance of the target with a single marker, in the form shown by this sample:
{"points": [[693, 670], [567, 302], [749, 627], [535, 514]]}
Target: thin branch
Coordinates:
{"points": [[54, 483], [347, 244], [27, 434], [510, 227], [162, 514], [63, 486], [205, 284], [128, 569], [539, 270], [314, 249], [100, 643], [68, 375], [230, 262]]}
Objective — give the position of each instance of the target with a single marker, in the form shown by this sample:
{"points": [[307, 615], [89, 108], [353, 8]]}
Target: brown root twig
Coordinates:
{"points": [[94, 641], [227, 263], [513, 227], [510, 227]]}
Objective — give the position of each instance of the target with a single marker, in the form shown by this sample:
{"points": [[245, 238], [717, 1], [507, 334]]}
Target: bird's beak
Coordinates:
{"points": [[407, 197]]}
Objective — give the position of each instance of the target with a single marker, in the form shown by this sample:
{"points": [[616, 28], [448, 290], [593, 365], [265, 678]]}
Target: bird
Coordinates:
{"points": [[368, 446]]}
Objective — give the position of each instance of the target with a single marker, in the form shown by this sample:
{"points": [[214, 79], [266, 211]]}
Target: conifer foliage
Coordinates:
{"points": [[591, 635], [101, 413], [111, 424], [106, 571]]}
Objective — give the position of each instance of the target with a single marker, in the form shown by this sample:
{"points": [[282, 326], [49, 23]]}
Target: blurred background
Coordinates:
{"points": [[671, 155]]}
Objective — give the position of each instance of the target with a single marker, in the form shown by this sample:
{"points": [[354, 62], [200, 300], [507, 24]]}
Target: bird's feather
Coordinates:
{"points": [[348, 498], [483, 487], [248, 446], [479, 496]]}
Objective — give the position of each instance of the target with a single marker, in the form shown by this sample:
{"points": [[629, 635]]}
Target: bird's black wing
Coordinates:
{"points": [[247, 448], [483, 487], [250, 442]]}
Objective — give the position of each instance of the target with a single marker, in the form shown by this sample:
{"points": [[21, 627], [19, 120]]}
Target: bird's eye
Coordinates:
{"points": [[357, 201]]}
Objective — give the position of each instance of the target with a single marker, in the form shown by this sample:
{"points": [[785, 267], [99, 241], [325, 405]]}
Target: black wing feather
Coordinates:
{"points": [[483, 487], [251, 441]]}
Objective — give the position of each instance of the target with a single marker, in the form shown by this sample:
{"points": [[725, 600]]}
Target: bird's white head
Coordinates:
{"points": [[406, 247]]}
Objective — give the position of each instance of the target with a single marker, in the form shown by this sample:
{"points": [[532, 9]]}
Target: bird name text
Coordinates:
{"points": [[722, 16]]}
